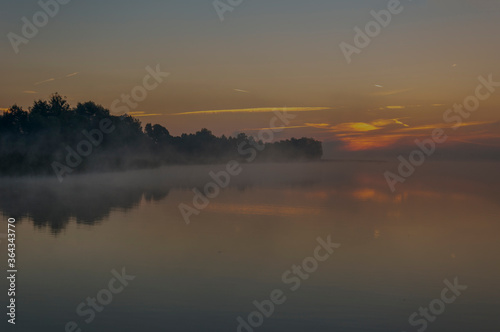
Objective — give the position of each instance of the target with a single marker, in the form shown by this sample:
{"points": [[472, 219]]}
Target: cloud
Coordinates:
{"points": [[357, 139], [359, 127], [306, 125], [280, 128], [58, 78], [257, 110], [30, 92], [389, 93], [318, 125], [142, 114], [388, 122], [444, 126], [396, 107], [242, 91], [354, 127], [45, 81]]}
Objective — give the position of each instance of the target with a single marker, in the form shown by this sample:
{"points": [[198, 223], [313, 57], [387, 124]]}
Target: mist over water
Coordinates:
{"points": [[396, 248]]}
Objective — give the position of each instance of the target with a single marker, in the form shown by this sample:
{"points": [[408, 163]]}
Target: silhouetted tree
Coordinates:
{"points": [[51, 131]]}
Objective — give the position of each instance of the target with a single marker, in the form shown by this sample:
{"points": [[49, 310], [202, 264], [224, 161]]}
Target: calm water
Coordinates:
{"points": [[396, 249]]}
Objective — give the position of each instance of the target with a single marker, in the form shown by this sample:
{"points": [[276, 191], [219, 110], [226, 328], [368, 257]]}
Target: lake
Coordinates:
{"points": [[393, 254]]}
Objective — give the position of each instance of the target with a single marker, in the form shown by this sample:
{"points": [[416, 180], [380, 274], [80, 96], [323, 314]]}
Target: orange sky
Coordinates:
{"points": [[267, 56]]}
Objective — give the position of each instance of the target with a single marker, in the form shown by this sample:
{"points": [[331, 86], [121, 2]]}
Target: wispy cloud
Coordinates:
{"points": [[390, 92], [143, 115], [354, 126], [348, 128], [280, 128], [356, 138], [318, 125], [445, 125], [388, 122], [395, 107], [242, 91], [57, 78], [45, 81], [358, 127], [30, 92], [258, 110]]}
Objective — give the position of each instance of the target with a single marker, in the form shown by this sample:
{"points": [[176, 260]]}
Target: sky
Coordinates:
{"points": [[228, 76]]}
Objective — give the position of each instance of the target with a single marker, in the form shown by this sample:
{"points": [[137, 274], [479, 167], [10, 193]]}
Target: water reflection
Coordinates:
{"points": [[345, 186], [52, 205], [397, 248]]}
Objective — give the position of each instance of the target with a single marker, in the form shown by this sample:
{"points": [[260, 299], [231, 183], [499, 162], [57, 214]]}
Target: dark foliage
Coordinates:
{"points": [[32, 141]]}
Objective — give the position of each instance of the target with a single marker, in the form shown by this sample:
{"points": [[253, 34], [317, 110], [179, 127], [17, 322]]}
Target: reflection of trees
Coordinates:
{"points": [[346, 189], [53, 205]]}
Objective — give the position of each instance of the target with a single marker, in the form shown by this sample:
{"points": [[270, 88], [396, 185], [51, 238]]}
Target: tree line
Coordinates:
{"points": [[53, 136]]}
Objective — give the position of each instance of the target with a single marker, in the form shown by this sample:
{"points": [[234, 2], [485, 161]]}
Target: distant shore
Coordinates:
{"points": [[54, 138]]}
